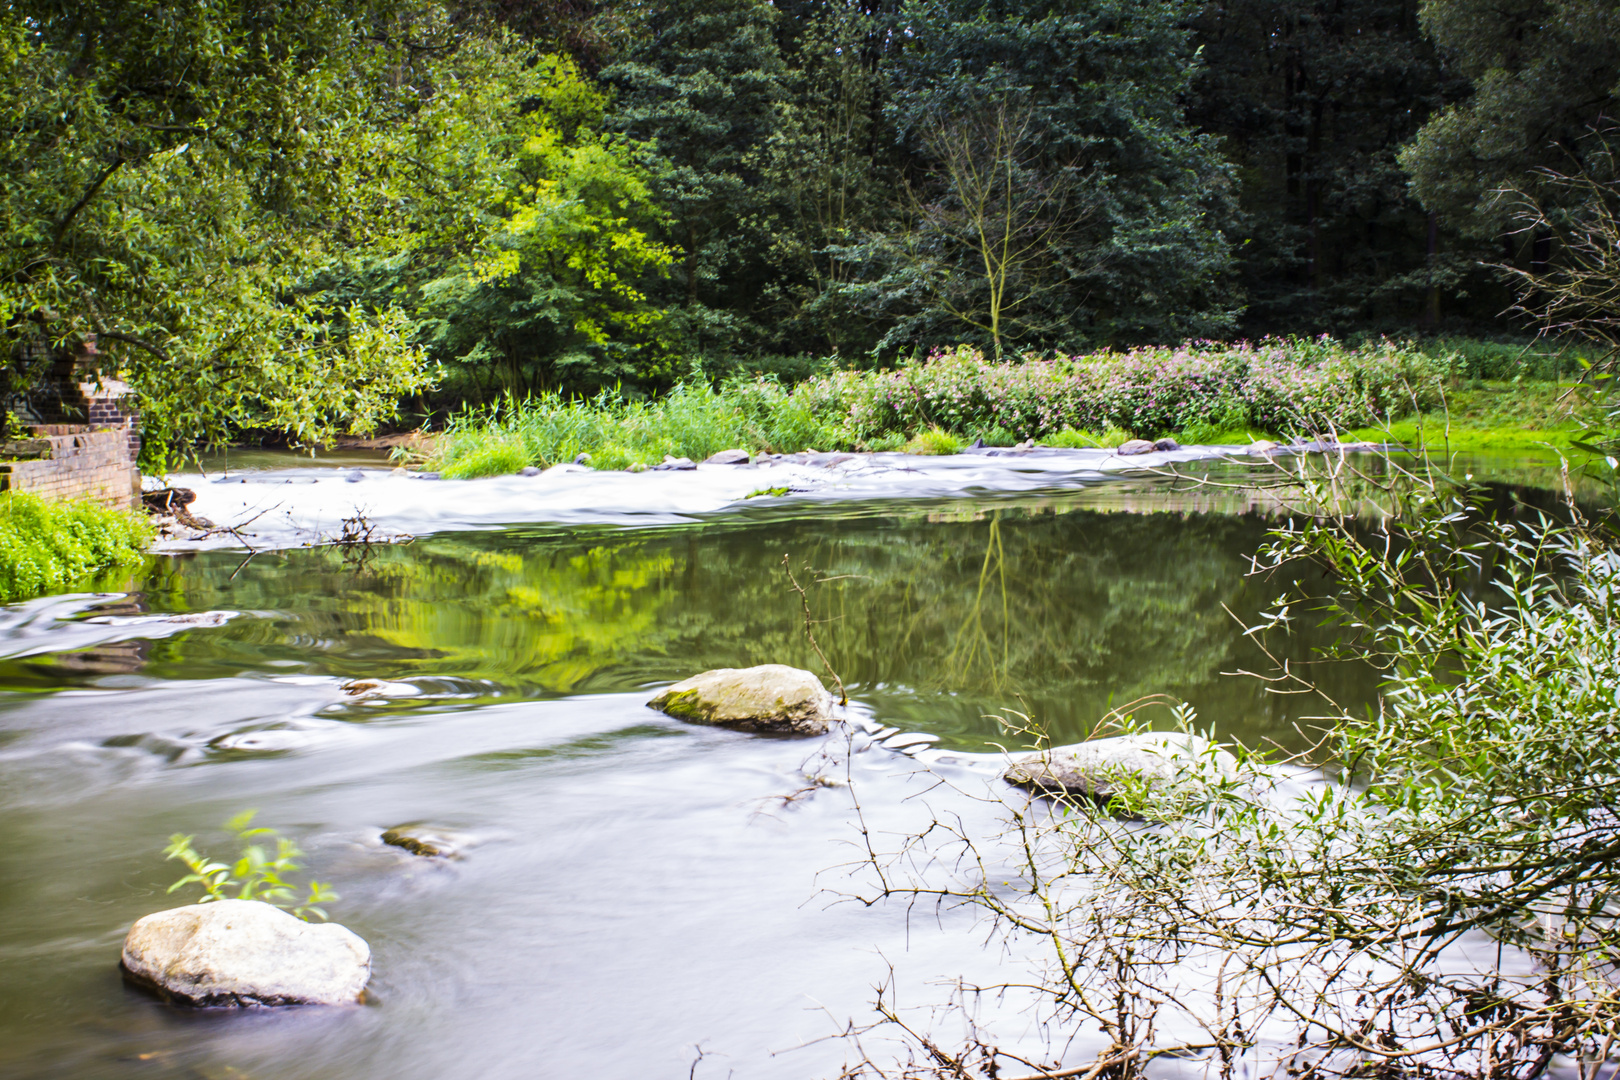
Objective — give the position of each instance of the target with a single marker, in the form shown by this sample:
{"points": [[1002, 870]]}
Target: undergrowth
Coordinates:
{"points": [[44, 545]]}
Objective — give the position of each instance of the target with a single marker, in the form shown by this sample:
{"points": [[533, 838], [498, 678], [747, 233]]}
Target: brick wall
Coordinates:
{"points": [[83, 462]]}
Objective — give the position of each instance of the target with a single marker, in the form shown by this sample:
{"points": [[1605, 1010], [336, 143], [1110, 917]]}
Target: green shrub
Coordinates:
{"points": [[44, 545], [1071, 439], [934, 441]]}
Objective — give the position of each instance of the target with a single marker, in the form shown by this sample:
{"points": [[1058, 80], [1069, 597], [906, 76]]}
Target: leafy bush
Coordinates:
{"points": [[1274, 385], [1434, 897], [1471, 358], [44, 545]]}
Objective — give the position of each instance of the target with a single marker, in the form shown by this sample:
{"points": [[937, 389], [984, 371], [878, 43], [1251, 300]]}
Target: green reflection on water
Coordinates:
{"points": [[936, 617]]}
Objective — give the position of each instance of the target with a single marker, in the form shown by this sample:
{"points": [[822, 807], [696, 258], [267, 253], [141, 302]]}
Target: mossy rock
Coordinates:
{"points": [[770, 698]]}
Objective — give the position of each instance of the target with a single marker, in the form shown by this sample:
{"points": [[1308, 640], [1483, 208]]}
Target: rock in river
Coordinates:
{"points": [[1134, 447], [424, 841], [728, 457], [246, 952], [770, 697], [1094, 768]]}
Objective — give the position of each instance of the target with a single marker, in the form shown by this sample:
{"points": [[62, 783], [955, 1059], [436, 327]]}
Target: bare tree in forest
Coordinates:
{"points": [[999, 235]]}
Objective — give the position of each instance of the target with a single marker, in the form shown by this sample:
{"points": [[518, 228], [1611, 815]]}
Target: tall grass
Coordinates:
{"points": [[44, 545], [691, 421]]}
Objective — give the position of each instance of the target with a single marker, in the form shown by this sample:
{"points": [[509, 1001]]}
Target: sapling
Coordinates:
{"points": [[255, 875]]}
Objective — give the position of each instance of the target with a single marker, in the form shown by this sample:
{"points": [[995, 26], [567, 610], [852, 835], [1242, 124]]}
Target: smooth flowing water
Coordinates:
{"points": [[633, 889]]}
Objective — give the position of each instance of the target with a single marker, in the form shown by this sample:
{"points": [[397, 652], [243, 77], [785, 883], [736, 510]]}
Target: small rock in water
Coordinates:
{"points": [[675, 463], [427, 476], [583, 459], [245, 952], [1094, 768], [421, 840], [728, 457], [1167, 444], [770, 697], [399, 471], [528, 470], [378, 688], [976, 444], [355, 477], [1134, 447]]}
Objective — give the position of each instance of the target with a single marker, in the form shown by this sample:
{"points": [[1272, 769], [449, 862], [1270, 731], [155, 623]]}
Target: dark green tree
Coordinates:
{"points": [[1102, 86], [1545, 74], [705, 83]]}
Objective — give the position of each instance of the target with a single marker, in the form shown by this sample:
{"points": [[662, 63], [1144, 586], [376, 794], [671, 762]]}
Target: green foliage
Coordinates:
{"points": [[1300, 91], [705, 80], [933, 441], [1071, 439], [256, 875], [1116, 208], [556, 294], [691, 421], [1543, 75], [1217, 393], [175, 176], [1474, 358], [45, 545]]}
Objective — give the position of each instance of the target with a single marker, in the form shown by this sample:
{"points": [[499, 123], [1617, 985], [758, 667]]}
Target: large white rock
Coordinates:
{"points": [[1095, 768], [246, 952], [770, 697]]}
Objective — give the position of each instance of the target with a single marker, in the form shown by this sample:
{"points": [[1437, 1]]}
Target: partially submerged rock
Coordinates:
{"points": [[1096, 768], [379, 688], [770, 697], [727, 457], [245, 952], [1134, 447], [423, 840]]}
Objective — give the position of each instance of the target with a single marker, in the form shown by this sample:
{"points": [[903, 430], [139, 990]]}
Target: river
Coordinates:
{"points": [[634, 893]]}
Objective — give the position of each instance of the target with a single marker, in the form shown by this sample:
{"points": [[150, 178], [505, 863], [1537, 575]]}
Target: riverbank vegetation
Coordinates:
{"points": [[1201, 392], [45, 545], [1439, 901]]}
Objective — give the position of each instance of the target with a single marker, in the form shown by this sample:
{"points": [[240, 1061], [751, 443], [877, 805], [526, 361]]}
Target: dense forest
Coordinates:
{"points": [[277, 212]]}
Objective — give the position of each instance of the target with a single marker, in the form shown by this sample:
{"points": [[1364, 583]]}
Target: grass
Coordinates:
{"points": [[1495, 415], [933, 442], [1071, 439], [45, 545], [691, 422]]}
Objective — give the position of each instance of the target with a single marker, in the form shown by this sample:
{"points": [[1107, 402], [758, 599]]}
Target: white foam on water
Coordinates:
{"points": [[295, 507]]}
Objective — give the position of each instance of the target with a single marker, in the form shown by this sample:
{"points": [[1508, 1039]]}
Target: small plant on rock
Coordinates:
{"points": [[256, 875]]}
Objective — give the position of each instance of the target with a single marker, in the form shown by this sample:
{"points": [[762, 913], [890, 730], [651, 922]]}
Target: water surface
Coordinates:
{"points": [[634, 887]]}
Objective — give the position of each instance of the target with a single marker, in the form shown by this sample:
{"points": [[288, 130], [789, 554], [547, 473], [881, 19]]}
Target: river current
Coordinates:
{"points": [[634, 895]]}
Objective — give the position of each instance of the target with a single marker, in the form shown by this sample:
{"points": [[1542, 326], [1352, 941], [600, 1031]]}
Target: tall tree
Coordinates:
{"points": [[1103, 83], [173, 175], [704, 82], [1545, 74]]}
